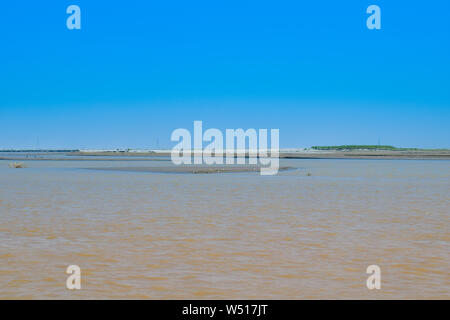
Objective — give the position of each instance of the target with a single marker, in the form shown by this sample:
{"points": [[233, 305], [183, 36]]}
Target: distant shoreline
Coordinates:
{"points": [[413, 154], [310, 154]]}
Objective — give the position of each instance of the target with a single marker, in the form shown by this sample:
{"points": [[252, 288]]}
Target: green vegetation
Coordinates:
{"points": [[361, 147]]}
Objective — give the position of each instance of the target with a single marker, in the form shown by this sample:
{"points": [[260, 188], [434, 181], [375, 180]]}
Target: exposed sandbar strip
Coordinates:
{"points": [[190, 169]]}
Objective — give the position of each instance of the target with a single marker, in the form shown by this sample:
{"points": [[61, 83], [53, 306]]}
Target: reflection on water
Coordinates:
{"points": [[234, 235]]}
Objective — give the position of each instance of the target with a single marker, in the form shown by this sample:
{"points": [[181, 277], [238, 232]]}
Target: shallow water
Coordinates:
{"points": [[233, 235]]}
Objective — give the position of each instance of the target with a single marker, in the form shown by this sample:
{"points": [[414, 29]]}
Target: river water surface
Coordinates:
{"points": [[229, 236]]}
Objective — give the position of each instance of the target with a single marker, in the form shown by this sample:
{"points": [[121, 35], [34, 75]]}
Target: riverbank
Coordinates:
{"points": [[284, 154]]}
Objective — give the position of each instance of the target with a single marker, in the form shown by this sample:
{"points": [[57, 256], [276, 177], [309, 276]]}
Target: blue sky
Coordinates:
{"points": [[137, 70]]}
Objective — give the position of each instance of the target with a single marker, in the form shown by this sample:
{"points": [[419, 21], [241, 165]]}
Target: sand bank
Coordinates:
{"points": [[191, 169]]}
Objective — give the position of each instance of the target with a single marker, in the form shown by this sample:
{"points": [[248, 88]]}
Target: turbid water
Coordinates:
{"points": [[227, 235]]}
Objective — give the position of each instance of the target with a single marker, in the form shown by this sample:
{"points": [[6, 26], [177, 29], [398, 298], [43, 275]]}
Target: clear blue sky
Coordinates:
{"points": [[139, 69]]}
